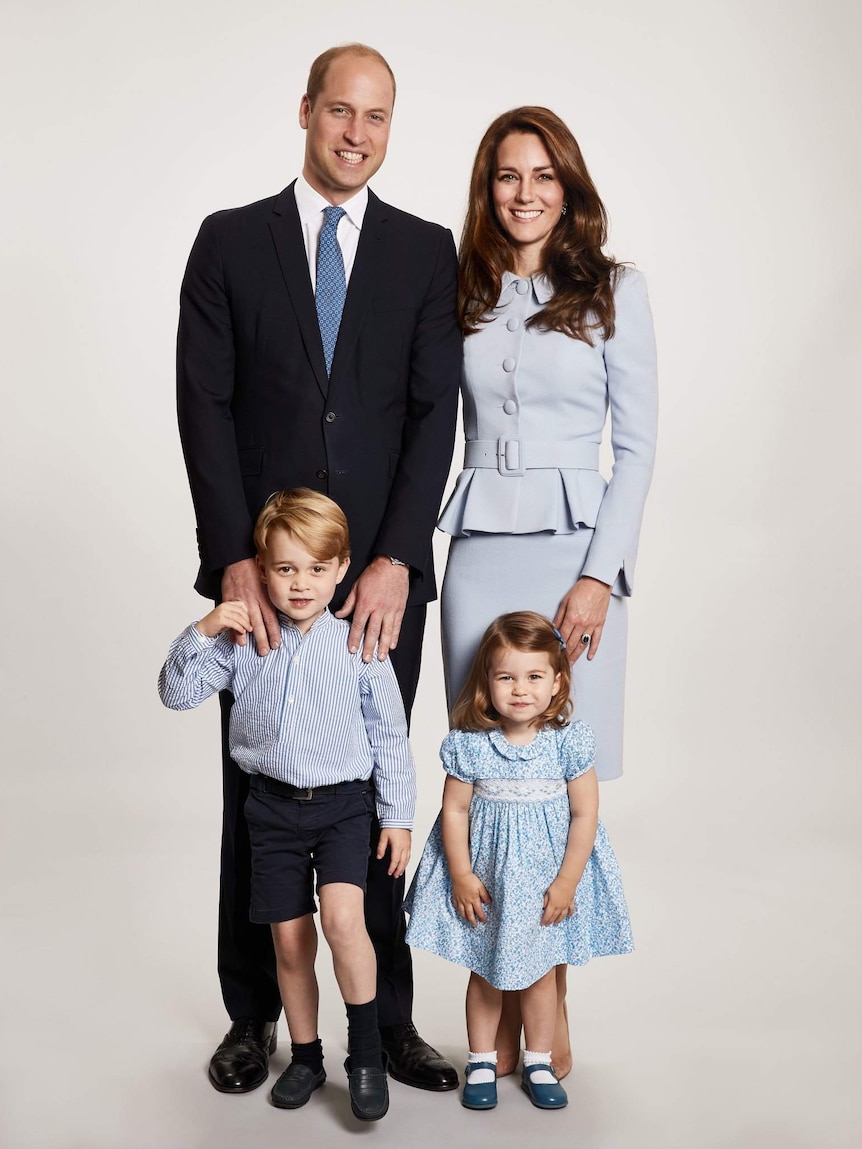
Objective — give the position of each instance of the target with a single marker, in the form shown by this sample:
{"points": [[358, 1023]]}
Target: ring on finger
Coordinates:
{"points": [[585, 639]]}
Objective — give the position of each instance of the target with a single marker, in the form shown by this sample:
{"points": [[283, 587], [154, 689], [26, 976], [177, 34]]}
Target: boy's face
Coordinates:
{"points": [[299, 585]]}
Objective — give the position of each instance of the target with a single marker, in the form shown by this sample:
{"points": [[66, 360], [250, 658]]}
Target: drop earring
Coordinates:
{"points": [[564, 209]]}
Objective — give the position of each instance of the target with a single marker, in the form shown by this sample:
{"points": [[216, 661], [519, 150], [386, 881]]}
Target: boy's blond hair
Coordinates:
{"points": [[314, 520]]}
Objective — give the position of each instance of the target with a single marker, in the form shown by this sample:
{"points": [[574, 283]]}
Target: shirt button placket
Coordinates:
{"points": [[295, 685], [288, 709]]}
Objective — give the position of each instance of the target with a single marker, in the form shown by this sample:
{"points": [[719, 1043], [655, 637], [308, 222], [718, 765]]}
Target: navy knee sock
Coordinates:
{"points": [[308, 1053], [363, 1035]]}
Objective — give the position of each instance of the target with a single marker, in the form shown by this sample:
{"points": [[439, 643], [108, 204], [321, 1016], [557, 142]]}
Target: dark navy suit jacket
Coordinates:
{"points": [[257, 412]]}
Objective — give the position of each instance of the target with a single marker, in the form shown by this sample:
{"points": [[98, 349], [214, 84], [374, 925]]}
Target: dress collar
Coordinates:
{"points": [[542, 289], [502, 745]]}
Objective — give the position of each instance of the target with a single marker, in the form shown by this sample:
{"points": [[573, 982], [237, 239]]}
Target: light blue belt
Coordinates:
{"points": [[512, 457]]}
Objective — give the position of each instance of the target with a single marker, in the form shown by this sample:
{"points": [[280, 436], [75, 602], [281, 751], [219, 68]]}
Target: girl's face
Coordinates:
{"points": [[522, 684]]}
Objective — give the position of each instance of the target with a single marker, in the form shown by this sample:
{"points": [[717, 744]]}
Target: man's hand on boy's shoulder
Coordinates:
{"points": [[398, 841], [377, 601], [231, 616], [242, 581]]}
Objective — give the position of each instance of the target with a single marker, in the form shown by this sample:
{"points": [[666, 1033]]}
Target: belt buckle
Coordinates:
{"points": [[510, 457], [304, 795]]}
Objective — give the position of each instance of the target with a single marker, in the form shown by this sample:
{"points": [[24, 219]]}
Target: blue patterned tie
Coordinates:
{"points": [[331, 286]]}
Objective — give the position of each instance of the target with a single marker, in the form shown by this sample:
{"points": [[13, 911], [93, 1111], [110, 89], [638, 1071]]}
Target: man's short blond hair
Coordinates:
{"points": [[317, 75], [314, 520]]}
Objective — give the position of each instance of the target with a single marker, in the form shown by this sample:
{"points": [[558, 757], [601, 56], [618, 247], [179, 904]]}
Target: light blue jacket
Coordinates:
{"points": [[535, 405]]}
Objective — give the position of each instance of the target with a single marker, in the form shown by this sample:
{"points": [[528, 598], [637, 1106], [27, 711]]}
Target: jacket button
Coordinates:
{"points": [[513, 324], [321, 474], [510, 406], [522, 287], [508, 364], [331, 416]]}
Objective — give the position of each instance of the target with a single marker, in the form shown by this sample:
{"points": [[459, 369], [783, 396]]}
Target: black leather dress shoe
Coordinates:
{"points": [[369, 1092], [413, 1061], [296, 1085], [241, 1062]]}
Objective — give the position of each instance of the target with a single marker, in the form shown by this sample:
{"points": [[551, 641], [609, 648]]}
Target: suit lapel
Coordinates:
{"points": [[363, 278], [287, 236]]}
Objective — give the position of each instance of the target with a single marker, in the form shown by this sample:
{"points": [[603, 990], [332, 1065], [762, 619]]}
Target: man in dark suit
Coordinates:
{"points": [[287, 379]]}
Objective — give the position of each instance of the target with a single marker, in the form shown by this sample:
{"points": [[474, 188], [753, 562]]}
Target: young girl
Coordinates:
{"points": [[517, 876]]}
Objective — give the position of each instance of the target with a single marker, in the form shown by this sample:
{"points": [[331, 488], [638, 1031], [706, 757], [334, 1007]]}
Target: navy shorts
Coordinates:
{"points": [[293, 838]]}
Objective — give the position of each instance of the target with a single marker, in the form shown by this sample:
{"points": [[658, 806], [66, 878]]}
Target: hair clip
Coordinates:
{"points": [[560, 639]]}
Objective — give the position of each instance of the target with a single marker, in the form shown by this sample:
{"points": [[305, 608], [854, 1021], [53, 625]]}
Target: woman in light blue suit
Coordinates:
{"points": [[556, 334]]}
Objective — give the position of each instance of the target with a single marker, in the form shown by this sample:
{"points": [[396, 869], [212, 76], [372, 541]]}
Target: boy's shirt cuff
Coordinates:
{"points": [[201, 641]]}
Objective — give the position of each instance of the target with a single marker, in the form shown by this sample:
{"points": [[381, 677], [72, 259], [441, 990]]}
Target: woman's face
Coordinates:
{"points": [[528, 197]]}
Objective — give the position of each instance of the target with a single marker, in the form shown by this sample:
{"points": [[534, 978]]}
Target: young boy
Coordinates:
{"points": [[323, 735]]}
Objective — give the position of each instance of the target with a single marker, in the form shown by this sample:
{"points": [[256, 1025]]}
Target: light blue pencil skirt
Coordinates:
{"points": [[489, 575]]}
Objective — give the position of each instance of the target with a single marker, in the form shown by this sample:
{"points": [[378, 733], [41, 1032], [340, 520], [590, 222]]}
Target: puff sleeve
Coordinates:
{"points": [[577, 750], [456, 758]]}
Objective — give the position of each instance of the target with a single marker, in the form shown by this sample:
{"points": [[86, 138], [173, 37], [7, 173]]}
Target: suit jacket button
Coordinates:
{"points": [[321, 474], [331, 416]]}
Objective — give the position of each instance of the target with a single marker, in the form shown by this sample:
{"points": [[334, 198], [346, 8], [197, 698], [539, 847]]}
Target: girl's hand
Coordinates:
{"points": [[468, 894], [398, 841], [583, 611], [231, 615], [559, 902]]}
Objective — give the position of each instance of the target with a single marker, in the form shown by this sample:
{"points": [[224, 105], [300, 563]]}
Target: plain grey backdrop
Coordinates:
{"points": [[724, 140]]}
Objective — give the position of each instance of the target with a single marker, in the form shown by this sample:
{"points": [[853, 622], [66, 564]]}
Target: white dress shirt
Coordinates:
{"points": [[310, 205]]}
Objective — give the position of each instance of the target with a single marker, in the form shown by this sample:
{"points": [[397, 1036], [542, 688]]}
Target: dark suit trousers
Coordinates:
{"points": [[246, 959]]}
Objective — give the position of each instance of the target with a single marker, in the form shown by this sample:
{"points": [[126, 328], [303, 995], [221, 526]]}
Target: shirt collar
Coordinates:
{"points": [[324, 620], [310, 203]]}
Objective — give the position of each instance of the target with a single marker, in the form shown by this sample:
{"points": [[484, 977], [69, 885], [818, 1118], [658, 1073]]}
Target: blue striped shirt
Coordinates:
{"points": [[309, 713]]}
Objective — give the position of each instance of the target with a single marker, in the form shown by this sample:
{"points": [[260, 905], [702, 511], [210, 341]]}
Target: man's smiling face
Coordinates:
{"points": [[348, 127]]}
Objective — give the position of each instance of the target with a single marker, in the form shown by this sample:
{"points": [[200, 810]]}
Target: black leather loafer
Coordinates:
{"points": [[413, 1061], [369, 1092], [241, 1062], [296, 1085]]}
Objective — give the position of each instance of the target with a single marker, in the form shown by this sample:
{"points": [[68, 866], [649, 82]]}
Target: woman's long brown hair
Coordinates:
{"points": [[580, 273]]}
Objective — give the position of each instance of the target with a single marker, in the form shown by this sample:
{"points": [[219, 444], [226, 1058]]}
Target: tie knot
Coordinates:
{"points": [[331, 216]]}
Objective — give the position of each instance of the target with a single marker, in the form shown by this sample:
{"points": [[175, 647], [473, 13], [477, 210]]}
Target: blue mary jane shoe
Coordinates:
{"points": [[543, 1096], [480, 1096]]}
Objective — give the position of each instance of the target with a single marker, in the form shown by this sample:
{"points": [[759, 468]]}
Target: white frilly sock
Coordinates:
{"points": [[544, 1076], [481, 1076]]}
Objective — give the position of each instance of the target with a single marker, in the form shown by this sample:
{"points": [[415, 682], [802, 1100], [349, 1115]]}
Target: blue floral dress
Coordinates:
{"points": [[519, 825]]}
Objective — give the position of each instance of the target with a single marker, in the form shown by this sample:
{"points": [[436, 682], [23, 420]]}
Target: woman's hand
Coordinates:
{"points": [[581, 613], [468, 894], [559, 902]]}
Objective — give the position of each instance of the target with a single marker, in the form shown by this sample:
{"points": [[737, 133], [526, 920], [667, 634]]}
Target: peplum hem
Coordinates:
{"points": [[542, 500]]}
